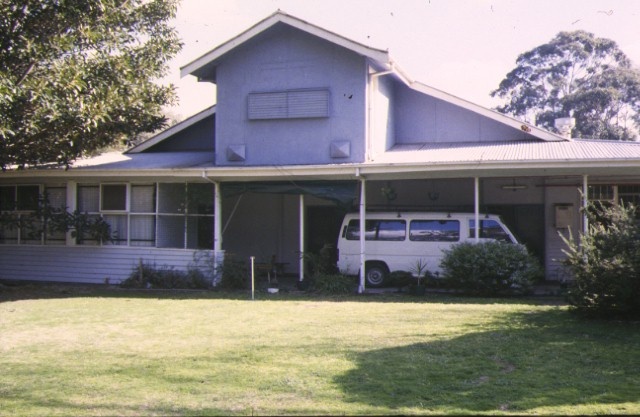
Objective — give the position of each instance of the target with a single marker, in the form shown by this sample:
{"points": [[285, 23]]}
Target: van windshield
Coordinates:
{"points": [[490, 229]]}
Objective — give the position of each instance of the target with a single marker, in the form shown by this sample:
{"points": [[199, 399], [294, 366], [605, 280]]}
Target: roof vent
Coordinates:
{"points": [[340, 149], [564, 125], [236, 153]]}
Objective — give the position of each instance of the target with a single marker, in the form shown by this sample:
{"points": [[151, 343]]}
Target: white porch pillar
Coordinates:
{"points": [[72, 205], [217, 219], [476, 206], [363, 213], [585, 203], [301, 237]]}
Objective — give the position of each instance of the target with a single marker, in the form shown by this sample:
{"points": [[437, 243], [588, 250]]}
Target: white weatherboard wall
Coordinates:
{"points": [[85, 264]]}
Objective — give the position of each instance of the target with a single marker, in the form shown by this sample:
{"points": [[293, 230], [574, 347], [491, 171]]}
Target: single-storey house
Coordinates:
{"points": [[307, 125]]}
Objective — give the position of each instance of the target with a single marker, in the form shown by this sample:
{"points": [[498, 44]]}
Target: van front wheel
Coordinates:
{"points": [[376, 274]]}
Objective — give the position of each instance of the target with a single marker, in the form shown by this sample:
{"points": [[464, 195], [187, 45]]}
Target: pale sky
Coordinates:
{"points": [[463, 47]]}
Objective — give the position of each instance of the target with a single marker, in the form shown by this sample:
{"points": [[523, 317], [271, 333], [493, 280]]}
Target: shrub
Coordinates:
{"points": [[148, 276], [323, 262], [333, 284], [605, 264], [490, 268], [401, 279], [235, 273]]}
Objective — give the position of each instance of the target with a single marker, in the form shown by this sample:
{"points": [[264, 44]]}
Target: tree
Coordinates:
{"points": [[78, 75], [605, 263], [575, 75]]}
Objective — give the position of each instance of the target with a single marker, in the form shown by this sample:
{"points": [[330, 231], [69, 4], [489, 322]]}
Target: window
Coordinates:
{"points": [[602, 193], [166, 215], [629, 194], [56, 198], [24, 222], [23, 225], [390, 230], [489, 229], [185, 216], [292, 104], [434, 230], [88, 202], [142, 217]]}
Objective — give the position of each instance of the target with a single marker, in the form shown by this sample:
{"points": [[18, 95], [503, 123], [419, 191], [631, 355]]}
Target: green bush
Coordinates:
{"points": [[235, 273], [148, 276], [333, 284], [605, 263], [401, 279], [490, 268]]}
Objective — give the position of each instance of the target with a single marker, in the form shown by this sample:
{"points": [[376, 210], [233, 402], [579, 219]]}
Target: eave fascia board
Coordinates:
{"points": [[342, 172], [281, 17]]}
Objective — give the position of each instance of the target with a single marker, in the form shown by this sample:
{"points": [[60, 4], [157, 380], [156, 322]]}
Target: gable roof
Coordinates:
{"points": [[204, 66]]}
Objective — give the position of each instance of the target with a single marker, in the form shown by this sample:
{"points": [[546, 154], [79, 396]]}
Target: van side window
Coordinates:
{"points": [[489, 229], [378, 230], [434, 230]]}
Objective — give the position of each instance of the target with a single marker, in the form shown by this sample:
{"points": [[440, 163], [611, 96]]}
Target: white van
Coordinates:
{"points": [[398, 241]]}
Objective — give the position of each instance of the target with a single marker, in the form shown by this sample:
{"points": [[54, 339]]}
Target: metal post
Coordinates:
{"points": [[217, 218], [301, 237], [363, 211], [253, 287], [476, 207], [585, 203]]}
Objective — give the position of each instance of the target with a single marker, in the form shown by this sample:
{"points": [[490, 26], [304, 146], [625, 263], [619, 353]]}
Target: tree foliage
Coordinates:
{"points": [[605, 263], [575, 75], [78, 75]]}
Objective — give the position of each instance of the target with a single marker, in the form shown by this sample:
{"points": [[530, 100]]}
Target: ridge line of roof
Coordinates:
{"points": [[269, 21]]}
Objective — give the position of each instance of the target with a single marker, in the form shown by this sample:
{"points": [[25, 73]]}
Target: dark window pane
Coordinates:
{"points": [[200, 198], [8, 198], [114, 197], [28, 196]]}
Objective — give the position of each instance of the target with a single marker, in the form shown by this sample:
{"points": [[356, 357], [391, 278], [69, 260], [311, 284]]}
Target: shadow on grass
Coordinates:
{"points": [[537, 360]]}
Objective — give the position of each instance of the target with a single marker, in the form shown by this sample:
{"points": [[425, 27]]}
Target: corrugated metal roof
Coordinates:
{"points": [[142, 161], [525, 151]]}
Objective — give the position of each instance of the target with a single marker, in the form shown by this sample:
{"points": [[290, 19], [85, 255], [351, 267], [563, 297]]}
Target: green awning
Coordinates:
{"points": [[342, 193]]}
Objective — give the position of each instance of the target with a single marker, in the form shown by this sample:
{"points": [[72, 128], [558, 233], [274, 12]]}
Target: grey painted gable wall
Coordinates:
{"points": [[422, 119], [198, 137], [286, 59]]}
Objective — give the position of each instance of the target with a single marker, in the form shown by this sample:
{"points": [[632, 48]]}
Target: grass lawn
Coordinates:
{"points": [[90, 351]]}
